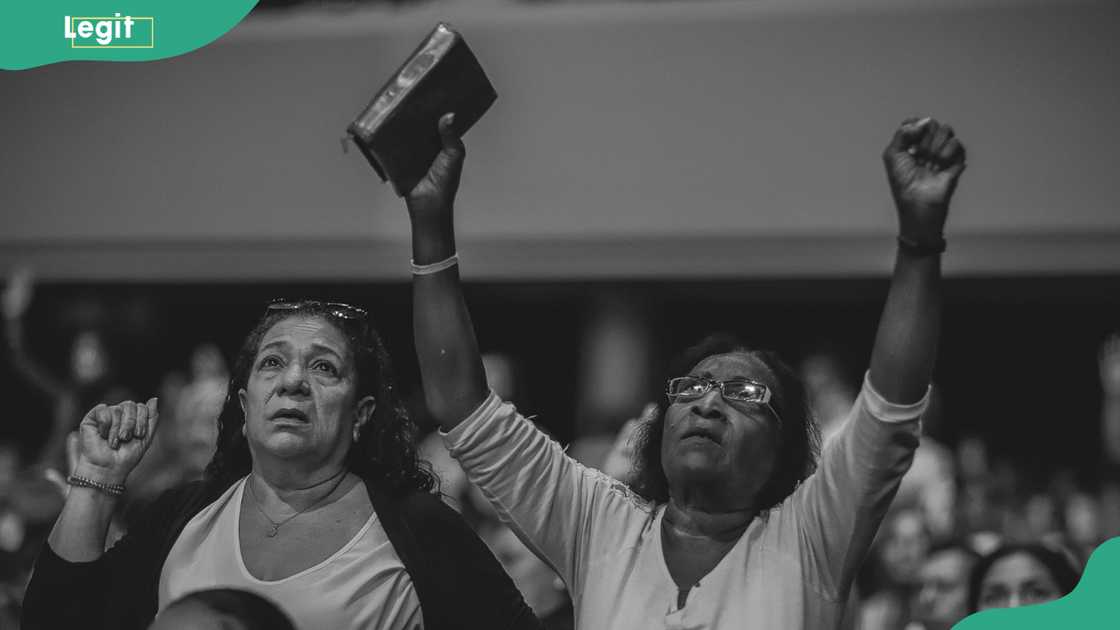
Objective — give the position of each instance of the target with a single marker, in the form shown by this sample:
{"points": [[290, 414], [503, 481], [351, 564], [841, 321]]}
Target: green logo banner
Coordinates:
{"points": [[1093, 604], [42, 32]]}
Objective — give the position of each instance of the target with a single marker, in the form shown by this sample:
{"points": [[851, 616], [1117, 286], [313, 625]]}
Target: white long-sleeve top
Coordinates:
{"points": [[791, 569]]}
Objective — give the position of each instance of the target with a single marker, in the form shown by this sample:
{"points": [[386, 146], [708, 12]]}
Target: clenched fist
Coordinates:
{"points": [[924, 160], [113, 439], [432, 198]]}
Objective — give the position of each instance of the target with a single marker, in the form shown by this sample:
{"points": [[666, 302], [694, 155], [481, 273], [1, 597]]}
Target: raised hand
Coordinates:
{"points": [[113, 439], [17, 293], [924, 160], [434, 196]]}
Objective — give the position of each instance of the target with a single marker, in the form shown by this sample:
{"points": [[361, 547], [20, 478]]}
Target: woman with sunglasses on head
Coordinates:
{"points": [[729, 526], [314, 499]]}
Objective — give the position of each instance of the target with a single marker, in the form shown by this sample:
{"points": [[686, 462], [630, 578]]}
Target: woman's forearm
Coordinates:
{"points": [[906, 342], [450, 366], [79, 533], [924, 160]]}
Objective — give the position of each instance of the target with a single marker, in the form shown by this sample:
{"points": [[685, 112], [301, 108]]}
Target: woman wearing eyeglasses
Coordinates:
{"points": [[315, 499], [729, 526]]}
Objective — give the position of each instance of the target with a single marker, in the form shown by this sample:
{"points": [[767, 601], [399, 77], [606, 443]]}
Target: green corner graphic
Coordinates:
{"points": [[50, 31], [1093, 605]]}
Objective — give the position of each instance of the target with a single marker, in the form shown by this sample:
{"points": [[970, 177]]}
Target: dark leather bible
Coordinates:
{"points": [[398, 131]]}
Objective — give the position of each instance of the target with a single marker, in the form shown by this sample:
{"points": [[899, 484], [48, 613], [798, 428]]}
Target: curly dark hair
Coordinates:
{"points": [[385, 452], [800, 438]]}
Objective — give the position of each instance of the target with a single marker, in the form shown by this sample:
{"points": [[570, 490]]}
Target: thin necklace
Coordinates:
{"points": [[276, 525]]}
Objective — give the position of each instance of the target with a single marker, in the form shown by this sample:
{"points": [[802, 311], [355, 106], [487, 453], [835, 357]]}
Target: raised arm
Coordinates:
{"points": [[450, 365], [16, 300], [924, 161], [74, 567], [554, 504], [111, 442], [839, 508]]}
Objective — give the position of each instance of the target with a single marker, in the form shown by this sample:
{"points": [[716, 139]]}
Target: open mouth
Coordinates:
{"points": [[701, 433], [292, 415]]}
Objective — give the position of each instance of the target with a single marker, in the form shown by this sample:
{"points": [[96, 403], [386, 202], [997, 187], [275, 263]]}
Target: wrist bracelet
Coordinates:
{"points": [[423, 270], [921, 249], [114, 489]]}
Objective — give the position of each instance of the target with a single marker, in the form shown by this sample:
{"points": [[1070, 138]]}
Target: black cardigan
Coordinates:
{"points": [[457, 579]]}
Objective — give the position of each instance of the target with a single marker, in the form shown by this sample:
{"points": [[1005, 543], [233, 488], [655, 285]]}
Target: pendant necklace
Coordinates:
{"points": [[276, 525]]}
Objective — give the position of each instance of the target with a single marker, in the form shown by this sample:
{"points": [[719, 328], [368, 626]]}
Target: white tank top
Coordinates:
{"points": [[362, 585]]}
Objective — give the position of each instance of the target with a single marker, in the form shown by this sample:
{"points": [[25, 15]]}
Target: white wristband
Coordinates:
{"points": [[436, 267]]}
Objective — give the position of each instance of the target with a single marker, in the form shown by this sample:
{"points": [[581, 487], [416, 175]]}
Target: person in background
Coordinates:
{"points": [[1108, 361], [831, 395], [622, 459], [162, 467], [941, 599], [1020, 575], [1083, 531], [889, 578], [200, 402], [89, 382], [222, 609], [730, 525], [29, 502]]}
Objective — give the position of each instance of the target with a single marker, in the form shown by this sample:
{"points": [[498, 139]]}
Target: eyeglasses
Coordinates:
{"points": [[338, 309], [686, 388]]}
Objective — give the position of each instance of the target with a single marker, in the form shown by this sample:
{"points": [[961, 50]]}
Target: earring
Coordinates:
{"points": [[357, 432]]}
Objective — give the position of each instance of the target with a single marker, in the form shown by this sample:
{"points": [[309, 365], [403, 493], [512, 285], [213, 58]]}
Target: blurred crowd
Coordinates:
{"points": [[967, 530]]}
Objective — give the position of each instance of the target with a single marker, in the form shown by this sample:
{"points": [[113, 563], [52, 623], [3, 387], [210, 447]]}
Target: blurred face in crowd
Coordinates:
{"points": [[1040, 516], [88, 362], [207, 363], [905, 546], [711, 440], [1083, 519], [192, 615], [942, 598], [1017, 580], [300, 401]]}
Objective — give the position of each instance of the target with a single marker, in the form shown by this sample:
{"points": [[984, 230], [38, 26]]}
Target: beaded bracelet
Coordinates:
{"points": [[114, 489], [423, 270]]}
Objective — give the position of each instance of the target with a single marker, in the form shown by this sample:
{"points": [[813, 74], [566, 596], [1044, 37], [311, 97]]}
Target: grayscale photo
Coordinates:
{"points": [[561, 315]]}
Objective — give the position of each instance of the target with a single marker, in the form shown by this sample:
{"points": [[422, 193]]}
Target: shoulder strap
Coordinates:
{"points": [[403, 538], [458, 580]]}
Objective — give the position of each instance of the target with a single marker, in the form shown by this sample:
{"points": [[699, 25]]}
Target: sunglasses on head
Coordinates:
{"points": [[338, 309]]}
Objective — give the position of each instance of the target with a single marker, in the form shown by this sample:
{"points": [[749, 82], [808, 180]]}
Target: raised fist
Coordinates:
{"points": [[433, 196], [924, 160], [113, 439]]}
